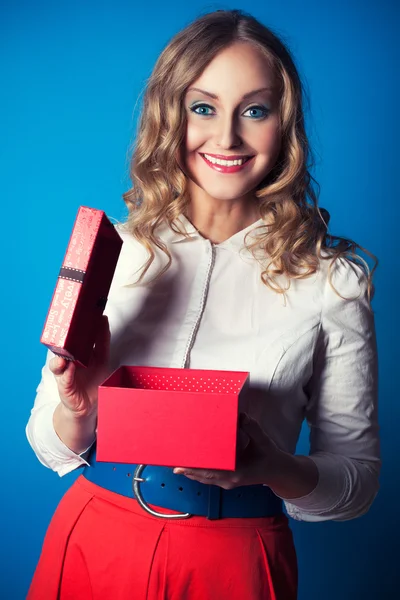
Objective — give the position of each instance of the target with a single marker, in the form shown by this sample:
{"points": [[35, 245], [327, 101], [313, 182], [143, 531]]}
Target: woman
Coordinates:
{"points": [[226, 264]]}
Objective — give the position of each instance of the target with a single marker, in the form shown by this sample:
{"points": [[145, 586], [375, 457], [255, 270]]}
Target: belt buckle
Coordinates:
{"points": [[136, 481]]}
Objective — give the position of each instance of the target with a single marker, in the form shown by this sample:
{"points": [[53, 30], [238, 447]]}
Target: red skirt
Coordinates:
{"points": [[103, 546]]}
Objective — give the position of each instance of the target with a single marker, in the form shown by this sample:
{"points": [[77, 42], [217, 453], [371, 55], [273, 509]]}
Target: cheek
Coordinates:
{"points": [[270, 143], [195, 136], [274, 149]]}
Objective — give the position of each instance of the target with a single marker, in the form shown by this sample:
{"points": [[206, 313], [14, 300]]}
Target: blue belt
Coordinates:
{"points": [[161, 487]]}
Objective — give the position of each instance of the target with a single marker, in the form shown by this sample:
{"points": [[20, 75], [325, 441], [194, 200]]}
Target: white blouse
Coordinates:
{"points": [[310, 357]]}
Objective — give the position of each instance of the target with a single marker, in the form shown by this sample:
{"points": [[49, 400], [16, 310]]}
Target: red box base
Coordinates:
{"points": [[170, 417]]}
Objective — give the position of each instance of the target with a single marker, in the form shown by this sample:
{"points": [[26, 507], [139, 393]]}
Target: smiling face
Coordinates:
{"points": [[233, 138]]}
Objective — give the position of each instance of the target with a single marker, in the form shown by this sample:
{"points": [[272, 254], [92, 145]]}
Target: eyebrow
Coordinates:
{"points": [[215, 97]]}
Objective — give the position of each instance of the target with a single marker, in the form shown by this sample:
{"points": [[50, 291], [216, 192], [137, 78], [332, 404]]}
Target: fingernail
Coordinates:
{"points": [[179, 471]]}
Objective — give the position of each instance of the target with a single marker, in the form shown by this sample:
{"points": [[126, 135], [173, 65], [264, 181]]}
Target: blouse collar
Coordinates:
{"points": [[235, 243]]}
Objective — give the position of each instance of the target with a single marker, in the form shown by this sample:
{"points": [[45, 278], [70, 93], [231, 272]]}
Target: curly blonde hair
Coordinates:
{"points": [[296, 237]]}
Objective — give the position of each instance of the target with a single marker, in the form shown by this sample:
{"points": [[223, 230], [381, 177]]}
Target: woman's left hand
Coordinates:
{"points": [[258, 463]]}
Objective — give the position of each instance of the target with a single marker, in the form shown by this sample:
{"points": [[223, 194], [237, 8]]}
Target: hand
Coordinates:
{"points": [[77, 386], [258, 462]]}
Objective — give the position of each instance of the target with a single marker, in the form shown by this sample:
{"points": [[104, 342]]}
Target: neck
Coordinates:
{"points": [[218, 220]]}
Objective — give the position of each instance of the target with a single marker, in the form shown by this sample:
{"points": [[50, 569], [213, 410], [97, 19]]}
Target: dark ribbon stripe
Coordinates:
{"points": [[72, 274]]}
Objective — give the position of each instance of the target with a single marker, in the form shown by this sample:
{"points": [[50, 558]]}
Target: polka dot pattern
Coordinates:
{"points": [[186, 383]]}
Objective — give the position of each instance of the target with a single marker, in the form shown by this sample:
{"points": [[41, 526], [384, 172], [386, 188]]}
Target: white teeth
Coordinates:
{"points": [[225, 163]]}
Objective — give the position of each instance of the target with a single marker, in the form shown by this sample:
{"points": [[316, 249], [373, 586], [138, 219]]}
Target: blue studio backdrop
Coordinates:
{"points": [[71, 76]]}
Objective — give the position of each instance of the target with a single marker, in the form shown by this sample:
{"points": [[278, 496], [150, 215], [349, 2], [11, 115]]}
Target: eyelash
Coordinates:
{"points": [[265, 110]]}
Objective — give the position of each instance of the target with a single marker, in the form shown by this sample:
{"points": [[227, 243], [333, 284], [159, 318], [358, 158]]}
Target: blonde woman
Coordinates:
{"points": [[226, 264]]}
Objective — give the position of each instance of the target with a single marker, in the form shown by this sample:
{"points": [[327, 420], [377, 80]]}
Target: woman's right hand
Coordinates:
{"points": [[78, 386]]}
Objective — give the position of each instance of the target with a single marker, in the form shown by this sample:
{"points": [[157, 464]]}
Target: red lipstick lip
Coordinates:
{"points": [[224, 169], [233, 157]]}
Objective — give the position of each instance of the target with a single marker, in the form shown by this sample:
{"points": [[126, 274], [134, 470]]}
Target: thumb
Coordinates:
{"points": [[253, 429], [58, 365], [64, 372]]}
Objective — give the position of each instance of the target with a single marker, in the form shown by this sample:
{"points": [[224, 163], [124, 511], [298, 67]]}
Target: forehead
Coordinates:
{"points": [[237, 69]]}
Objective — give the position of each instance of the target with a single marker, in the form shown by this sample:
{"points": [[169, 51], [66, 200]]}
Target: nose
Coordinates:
{"points": [[228, 134]]}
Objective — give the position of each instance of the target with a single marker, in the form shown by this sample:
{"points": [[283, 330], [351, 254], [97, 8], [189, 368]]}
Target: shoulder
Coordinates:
{"points": [[342, 277], [345, 299], [334, 283]]}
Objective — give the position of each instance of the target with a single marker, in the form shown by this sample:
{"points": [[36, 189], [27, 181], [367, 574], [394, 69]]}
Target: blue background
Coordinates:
{"points": [[71, 75]]}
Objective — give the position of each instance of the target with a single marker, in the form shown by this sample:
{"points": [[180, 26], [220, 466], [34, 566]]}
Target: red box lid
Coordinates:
{"points": [[83, 283]]}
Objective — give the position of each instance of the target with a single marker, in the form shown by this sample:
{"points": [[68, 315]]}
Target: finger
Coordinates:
{"points": [[201, 478], [68, 377], [64, 374], [204, 475], [58, 365], [213, 478]]}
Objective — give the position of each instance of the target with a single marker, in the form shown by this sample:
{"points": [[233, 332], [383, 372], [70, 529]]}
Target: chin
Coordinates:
{"points": [[224, 194]]}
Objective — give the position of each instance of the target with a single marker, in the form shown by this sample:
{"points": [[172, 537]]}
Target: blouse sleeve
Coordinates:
{"points": [[342, 404], [46, 444]]}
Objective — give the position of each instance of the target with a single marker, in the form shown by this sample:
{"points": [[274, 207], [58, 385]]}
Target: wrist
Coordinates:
{"points": [[77, 416], [75, 430]]}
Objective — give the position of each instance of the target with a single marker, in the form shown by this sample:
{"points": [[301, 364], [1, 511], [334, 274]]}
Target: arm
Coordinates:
{"points": [[59, 436], [51, 451], [62, 425], [342, 407]]}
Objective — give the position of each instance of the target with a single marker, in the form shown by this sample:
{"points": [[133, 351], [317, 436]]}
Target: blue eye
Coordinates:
{"points": [[204, 110], [202, 107], [260, 109]]}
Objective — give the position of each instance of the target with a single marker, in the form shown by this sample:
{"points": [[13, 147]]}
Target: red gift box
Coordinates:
{"points": [[83, 283], [170, 417]]}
